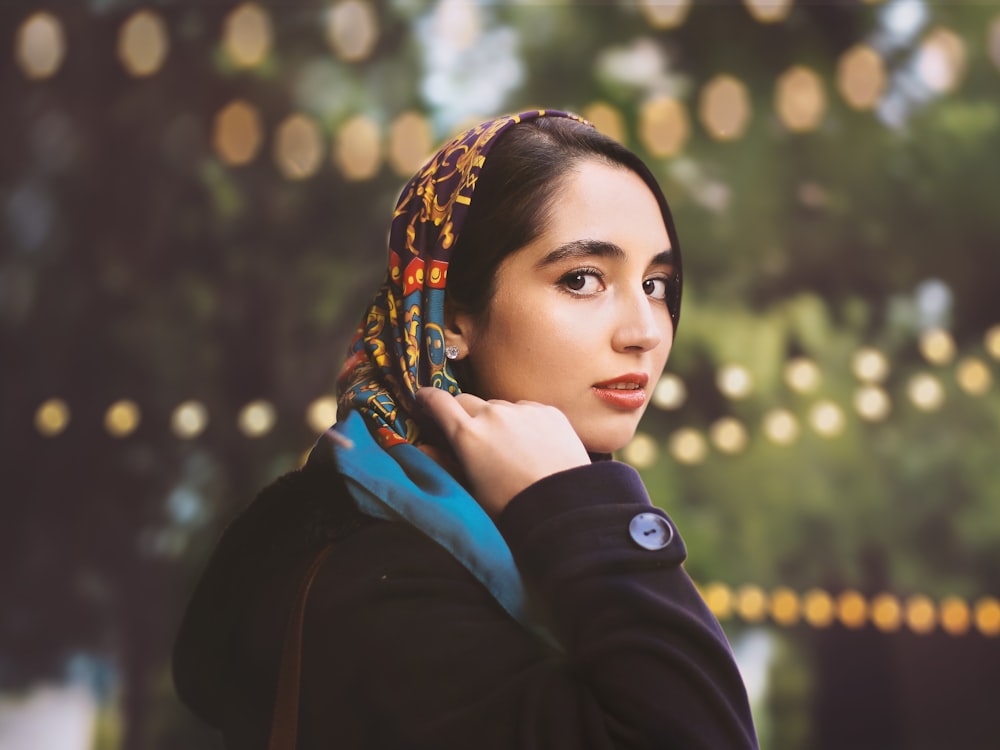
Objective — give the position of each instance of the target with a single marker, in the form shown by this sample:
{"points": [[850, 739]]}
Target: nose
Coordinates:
{"points": [[637, 327]]}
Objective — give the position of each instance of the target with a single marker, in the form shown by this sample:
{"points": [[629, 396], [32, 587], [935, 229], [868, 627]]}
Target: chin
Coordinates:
{"points": [[607, 443]]}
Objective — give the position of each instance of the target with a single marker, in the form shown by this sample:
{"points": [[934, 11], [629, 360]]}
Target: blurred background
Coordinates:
{"points": [[194, 201]]}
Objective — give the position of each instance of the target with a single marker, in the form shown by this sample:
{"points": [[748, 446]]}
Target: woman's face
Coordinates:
{"points": [[579, 317]]}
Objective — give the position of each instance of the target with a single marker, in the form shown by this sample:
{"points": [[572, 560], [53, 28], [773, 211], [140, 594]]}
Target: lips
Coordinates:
{"points": [[624, 392]]}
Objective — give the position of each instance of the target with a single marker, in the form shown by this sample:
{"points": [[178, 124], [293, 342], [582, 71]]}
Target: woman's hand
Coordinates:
{"points": [[504, 447]]}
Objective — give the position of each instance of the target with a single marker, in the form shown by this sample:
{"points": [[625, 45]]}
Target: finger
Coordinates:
{"points": [[473, 405], [443, 408]]}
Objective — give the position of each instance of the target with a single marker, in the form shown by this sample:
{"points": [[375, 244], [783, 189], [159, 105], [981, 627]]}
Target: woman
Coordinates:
{"points": [[495, 580]]}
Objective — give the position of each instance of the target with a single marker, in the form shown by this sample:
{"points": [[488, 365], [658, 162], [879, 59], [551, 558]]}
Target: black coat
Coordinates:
{"points": [[404, 648]]}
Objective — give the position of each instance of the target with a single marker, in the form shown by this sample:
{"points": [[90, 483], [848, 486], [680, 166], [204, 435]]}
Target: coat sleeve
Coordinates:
{"points": [[424, 657]]}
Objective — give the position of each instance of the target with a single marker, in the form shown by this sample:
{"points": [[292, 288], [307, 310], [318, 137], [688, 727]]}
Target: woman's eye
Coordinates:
{"points": [[655, 288], [582, 282]]}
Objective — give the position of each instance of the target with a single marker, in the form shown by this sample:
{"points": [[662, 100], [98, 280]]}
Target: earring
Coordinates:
{"points": [[451, 352]]}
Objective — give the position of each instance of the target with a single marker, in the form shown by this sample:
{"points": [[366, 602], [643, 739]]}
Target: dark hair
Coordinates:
{"points": [[514, 195]]}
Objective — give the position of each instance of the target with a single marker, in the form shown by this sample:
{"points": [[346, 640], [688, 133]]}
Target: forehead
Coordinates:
{"points": [[604, 202]]}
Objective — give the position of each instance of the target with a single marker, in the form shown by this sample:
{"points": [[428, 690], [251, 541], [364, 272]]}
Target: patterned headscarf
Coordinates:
{"points": [[400, 344]]}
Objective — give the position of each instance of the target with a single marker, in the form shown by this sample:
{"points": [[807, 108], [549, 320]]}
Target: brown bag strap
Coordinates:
{"points": [[285, 722]]}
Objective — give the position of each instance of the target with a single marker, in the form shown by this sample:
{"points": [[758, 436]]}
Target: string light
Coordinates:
{"points": [[987, 616], [256, 419], [688, 446], [785, 606], [769, 11], [937, 346], [852, 609], [40, 46], [817, 608], [236, 134], [52, 417], [886, 613], [247, 35], [719, 599], [734, 381], [941, 60], [827, 418], [641, 451], [724, 108], [189, 419], [751, 603], [973, 376], [919, 614], [358, 150], [802, 375], [955, 616], [781, 427], [122, 418], [861, 77], [991, 341], [663, 126], [669, 393], [143, 43], [321, 414], [872, 403], [728, 435], [665, 14], [870, 365], [410, 142], [352, 30], [606, 119], [298, 147], [799, 99], [925, 391]]}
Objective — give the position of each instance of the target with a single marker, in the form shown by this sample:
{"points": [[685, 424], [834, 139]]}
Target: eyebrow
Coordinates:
{"points": [[577, 249]]}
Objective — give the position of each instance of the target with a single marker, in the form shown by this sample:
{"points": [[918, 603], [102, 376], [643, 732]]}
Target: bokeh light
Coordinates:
{"points": [[247, 34], [688, 446], [818, 608], [852, 609], [665, 14], [143, 43], [769, 11], [322, 414], [237, 133], [734, 381], [987, 616], [872, 403], [52, 417], [189, 419], [993, 41], [886, 613], [991, 341], [781, 427], [827, 418], [920, 614], [728, 435], [358, 149], [298, 147], [973, 376], [941, 60], [719, 599], [122, 418], [861, 77], [751, 603], [410, 143], [870, 365], [607, 119], [802, 375], [785, 606], [956, 618], [724, 108], [669, 393], [925, 391], [641, 451], [663, 126], [799, 99], [352, 30], [937, 346], [457, 24], [256, 418], [40, 46]]}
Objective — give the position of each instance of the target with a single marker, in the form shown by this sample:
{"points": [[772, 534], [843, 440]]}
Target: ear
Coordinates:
{"points": [[459, 329]]}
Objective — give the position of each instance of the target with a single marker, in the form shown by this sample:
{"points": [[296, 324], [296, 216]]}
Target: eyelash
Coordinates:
{"points": [[566, 279]]}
